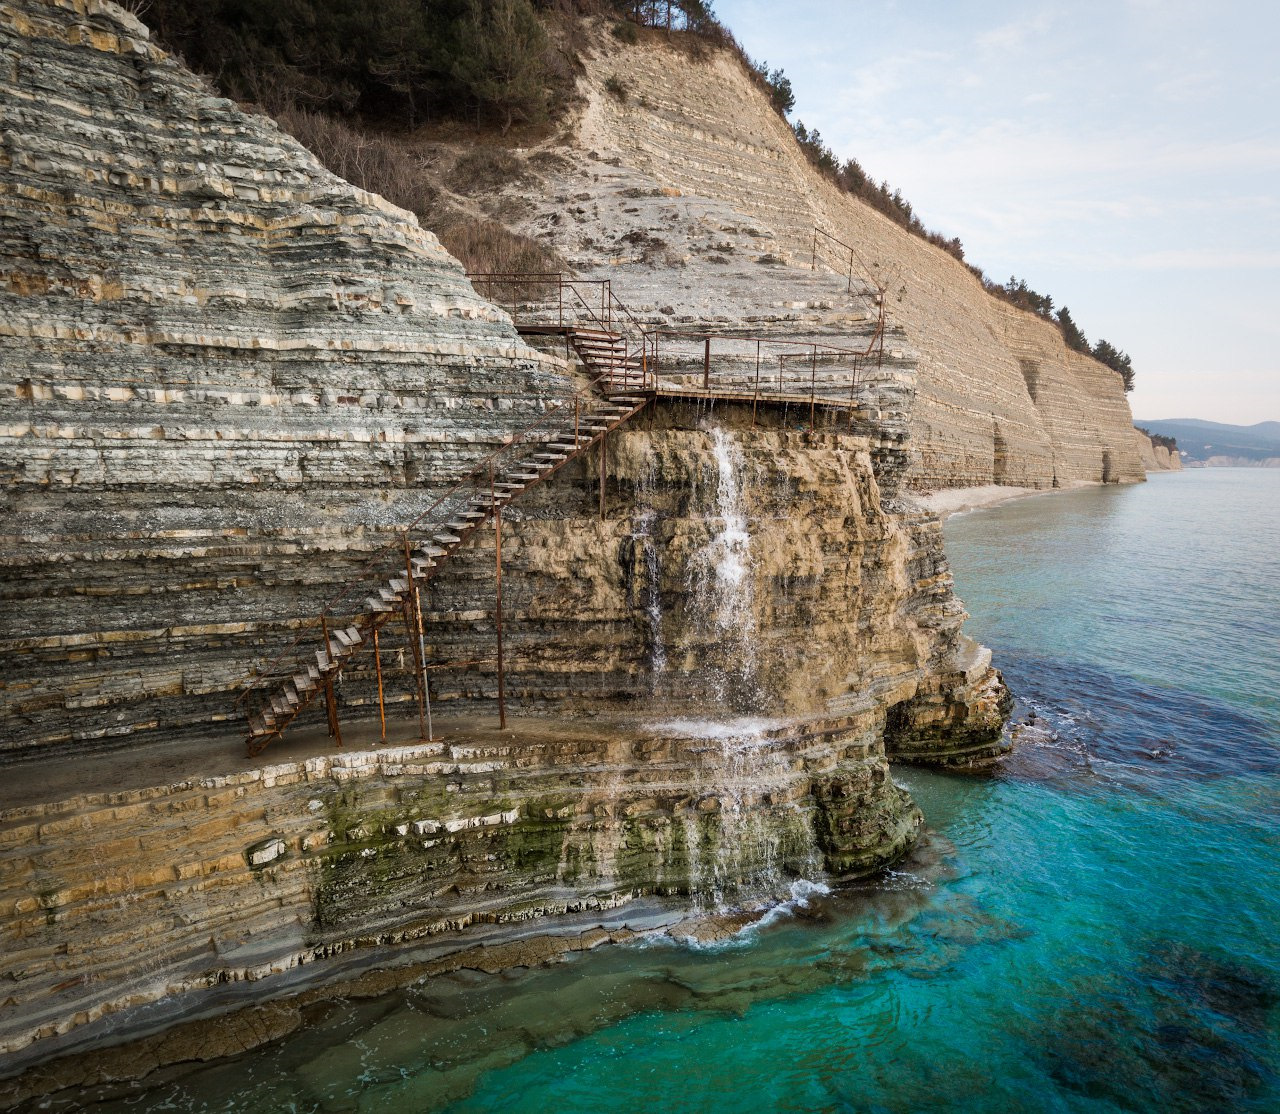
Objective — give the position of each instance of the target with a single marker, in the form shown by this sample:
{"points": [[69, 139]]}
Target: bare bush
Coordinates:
{"points": [[373, 162]]}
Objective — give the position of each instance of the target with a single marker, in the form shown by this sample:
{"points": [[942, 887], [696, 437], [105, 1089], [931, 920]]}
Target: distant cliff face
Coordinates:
{"points": [[1156, 458], [682, 185]]}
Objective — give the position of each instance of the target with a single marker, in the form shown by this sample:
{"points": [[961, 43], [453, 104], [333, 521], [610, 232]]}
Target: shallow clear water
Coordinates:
{"points": [[1095, 928]]}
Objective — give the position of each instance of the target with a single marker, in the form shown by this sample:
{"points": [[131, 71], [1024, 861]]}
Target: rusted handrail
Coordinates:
{"points": [[603, 319], [853, 254], [809, 350]]}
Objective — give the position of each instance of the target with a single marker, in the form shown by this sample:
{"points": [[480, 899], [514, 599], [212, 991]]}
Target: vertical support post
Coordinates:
{"points": [[880, 354], [755, 398], [577, 409], [497, 566], [813, 385], [706, 363], [331, 703], [422, 658], [813, 263], [411, 619], [382, 706], [602, 448]]}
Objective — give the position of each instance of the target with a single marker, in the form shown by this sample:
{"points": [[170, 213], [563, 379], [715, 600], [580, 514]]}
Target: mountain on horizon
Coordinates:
{"points": [[1198, 440]]}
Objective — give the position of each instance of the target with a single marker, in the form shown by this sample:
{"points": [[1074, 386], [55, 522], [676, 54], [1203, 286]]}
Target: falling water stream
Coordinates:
{"points": [[721, 588]]}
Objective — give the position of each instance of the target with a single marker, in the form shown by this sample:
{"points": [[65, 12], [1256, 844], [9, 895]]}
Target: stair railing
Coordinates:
{"points": [[576, 304], [562, 419], [824, 239]]}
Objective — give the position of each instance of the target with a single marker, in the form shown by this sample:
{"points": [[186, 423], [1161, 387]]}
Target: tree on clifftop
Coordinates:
{"points": [[1071, 332], [501, 60], [1107, 353]]}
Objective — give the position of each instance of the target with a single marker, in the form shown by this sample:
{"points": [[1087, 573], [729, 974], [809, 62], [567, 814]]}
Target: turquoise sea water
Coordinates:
{"points": [[1094, 928]]}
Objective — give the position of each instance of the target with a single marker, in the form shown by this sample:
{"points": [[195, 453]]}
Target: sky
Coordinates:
{"points": [[1121, 156]]}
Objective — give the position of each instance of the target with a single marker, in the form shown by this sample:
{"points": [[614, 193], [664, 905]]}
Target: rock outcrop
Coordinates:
{"points": [[1156, 458], [228, 378], [680, 183]]}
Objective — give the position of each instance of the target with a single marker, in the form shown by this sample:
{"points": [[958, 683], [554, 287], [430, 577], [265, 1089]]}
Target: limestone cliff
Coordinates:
{"points": [[1156, 458], [681, 184], [228, 377]]}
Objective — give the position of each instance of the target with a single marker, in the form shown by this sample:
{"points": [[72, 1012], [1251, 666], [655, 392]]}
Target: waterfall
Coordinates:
{"points": [[721, 586], [651, 590], [746, 848]]}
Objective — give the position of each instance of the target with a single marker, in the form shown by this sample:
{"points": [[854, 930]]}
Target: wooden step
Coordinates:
{"points": [[445, 539]]}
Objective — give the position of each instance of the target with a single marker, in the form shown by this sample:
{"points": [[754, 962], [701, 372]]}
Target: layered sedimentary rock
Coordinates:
{"points": [[1156, 458], [229, 378], [172, 890], [749, 624], [225, 377], [1000, 398]]}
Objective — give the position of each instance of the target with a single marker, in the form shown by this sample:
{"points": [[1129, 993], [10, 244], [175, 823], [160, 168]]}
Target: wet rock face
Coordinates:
{"points": [[225, 377], [115, 900]]}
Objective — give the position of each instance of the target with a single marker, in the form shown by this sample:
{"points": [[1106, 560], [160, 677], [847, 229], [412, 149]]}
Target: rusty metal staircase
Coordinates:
{"points": [[350, 622], [605, 354]]}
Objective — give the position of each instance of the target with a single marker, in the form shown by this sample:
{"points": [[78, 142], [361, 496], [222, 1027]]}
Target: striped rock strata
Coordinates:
{"points": [[691, 193], [228, 377], [225, 376]]}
